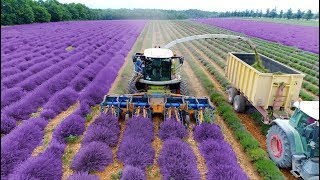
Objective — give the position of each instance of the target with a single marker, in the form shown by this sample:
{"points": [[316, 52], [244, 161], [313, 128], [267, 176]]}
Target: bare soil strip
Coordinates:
{"points": [[48, 131], [116, 166], [73, 148]]}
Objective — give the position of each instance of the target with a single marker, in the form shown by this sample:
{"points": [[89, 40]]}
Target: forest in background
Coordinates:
{"points": [[30, 11]]}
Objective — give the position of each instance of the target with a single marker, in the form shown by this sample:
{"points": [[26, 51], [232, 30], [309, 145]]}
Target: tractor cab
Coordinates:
{"points": [[157, 64], [295, 142], [306, 121], [157, 70]]}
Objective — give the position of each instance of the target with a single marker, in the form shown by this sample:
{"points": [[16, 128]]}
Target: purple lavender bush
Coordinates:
{"points": [[73, 125], [136, 152], [131, 172], [83, 176], [47, 165], [11, 95], [94, 156], [83, 109], [105, 134], [7, 124], [62, 100], [177, 160], [171, 128], [139, 127], [14, 149], [48, 114], [106, 120], [207, 131]]}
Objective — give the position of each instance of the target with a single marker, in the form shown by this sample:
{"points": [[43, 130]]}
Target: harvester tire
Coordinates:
{"points": [[132, 86], [183, 88], [278, 147], [239, 103], [232, 92]]}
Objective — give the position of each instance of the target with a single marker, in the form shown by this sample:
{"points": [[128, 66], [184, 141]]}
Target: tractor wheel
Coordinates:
{"points": [[183, 88], [232, 92], [132, 86], [278, 147], [239, 103]]}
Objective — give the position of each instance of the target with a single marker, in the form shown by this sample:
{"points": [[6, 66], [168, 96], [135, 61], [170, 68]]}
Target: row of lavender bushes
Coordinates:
{"points": [[176, 159], [135, 150], [95, 153], [17, 147], [220, 159]]}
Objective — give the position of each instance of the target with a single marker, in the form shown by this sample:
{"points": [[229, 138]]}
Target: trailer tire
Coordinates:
{"points": [[239, 103], [232, 92], [183, 88], [278, 147]]}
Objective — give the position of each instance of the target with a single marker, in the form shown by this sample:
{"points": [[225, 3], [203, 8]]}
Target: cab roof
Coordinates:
{"points": [[158, 53], [311, 108]]}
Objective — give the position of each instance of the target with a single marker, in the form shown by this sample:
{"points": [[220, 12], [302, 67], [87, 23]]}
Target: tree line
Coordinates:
{"points": [[273, 13], [39, 11], [30, 11]]}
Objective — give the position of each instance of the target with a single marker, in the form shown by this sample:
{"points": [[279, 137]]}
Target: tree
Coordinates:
{"points": [[40, 13], [308, 15], [299, 14], [289, 14], [316, 16], [267, 13], [281, 14], [273, 13], [55, 10], [16, 12]]}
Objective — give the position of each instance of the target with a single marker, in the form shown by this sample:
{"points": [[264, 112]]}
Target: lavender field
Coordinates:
{"points": [[54, 75], [302, 37], [46, 68]]}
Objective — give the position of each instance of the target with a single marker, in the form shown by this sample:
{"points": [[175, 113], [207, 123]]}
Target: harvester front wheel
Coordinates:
{"points": [[232, 92], [278, 147], [239, 103], [183, 88]]}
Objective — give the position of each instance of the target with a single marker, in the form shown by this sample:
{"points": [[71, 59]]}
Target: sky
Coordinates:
{"points": [[206, 5]]}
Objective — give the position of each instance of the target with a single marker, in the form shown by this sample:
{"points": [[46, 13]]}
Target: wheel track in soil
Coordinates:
{"points": [[244, 162], [246, 120]]}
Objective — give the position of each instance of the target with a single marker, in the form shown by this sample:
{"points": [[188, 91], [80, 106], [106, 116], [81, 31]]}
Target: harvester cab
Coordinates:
{"points": [[157, 70], [294, 143]]}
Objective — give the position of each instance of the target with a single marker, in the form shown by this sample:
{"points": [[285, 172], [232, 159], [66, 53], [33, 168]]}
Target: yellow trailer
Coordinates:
{"points": [[273, 92]]}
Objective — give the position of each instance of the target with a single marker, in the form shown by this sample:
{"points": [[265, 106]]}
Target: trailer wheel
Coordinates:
{"points": [[232, 92], [183, 88], [239, 103], [278, 147]]}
